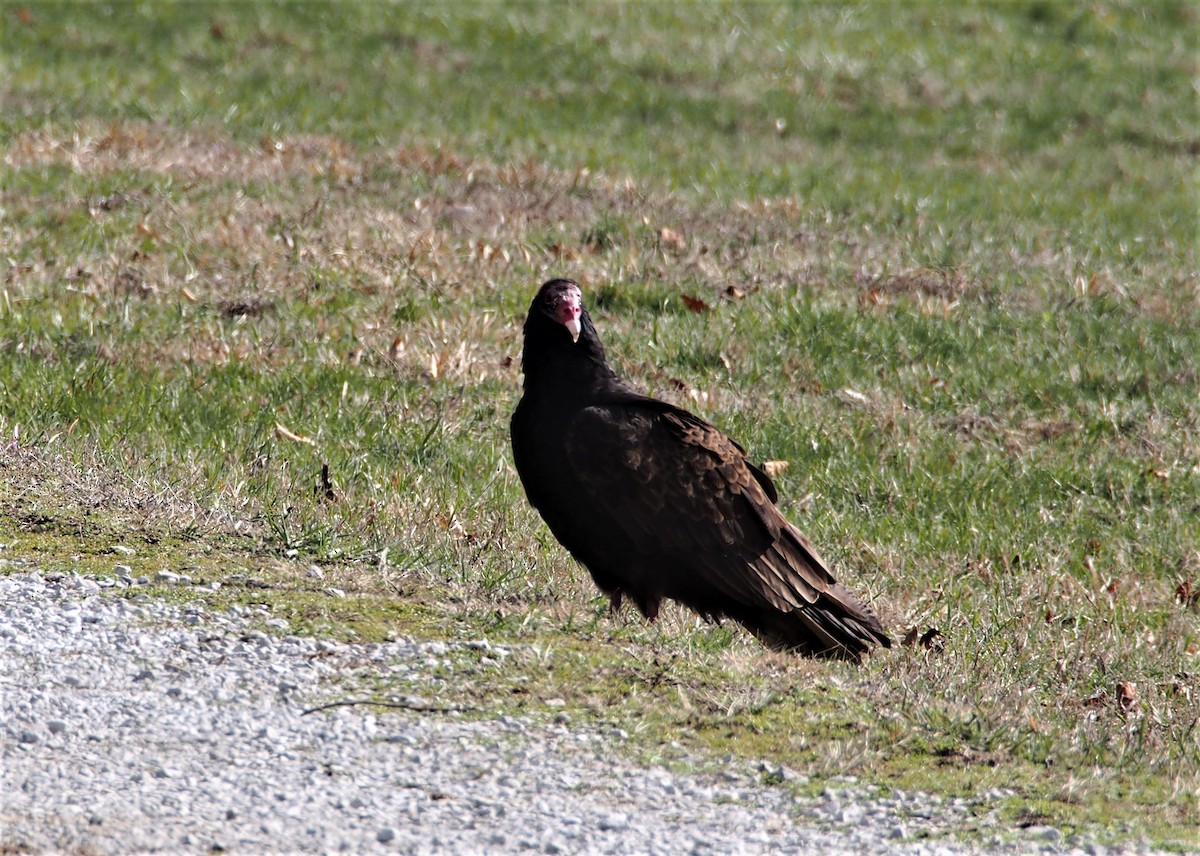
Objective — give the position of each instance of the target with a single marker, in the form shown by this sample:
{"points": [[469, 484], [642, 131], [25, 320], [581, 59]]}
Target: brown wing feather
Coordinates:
{"points": [[677, 486]]}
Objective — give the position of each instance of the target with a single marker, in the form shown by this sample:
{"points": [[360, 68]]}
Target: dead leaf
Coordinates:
{"points": [[250, 307], [288, 434], [1127, 696], [1187, 594], [871, 297], [734, 293], [690, 391], [933, 640], [454, 526], [774, 468], [1096, 700], [484, 251], [695, 304], [1177, 689], [325, 487], [396, 351], [671, 238]]}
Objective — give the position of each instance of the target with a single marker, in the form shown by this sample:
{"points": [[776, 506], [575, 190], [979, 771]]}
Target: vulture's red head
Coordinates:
{"points": [[561, 345], [561, 301]]}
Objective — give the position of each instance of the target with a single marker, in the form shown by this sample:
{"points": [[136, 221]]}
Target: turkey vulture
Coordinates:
{"points": [[656, 503]]}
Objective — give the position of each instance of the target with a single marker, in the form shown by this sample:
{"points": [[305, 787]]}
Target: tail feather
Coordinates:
{"points": [[814, 613], [840, 628]]}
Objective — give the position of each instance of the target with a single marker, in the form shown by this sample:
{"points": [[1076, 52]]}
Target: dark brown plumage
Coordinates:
{"points": [[656, 503]]}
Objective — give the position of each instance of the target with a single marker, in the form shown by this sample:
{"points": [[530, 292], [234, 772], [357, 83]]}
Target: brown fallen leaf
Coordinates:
{"points": [[671, 238], [734, 293], [872, 297], [931, 640], [695, 304], [454, 526], [774, 468], [1127, 696], [1187, 594], [1096, 700]]}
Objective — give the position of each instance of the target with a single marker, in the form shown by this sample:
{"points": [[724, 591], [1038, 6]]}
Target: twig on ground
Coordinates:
{"points": [[399, 705]]}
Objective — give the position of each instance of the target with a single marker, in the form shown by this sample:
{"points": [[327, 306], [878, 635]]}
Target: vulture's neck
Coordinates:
{"points": [[572, 370]]}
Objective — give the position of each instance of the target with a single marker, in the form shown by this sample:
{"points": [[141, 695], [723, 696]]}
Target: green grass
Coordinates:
{"points": [[950, 263]]}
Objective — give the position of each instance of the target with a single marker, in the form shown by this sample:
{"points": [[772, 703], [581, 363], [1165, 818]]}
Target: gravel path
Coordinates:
{"points": [[132, 727]]}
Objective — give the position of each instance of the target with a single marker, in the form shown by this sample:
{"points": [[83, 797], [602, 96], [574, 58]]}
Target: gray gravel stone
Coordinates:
{"points": [[196, 740]]}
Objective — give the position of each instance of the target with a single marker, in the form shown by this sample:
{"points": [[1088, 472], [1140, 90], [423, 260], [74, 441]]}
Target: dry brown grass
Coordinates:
{"points": [[451, 223]]}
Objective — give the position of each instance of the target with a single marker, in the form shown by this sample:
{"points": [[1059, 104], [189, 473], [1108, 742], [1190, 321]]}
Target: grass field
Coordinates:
{"points": [[948, 271]]}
